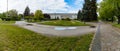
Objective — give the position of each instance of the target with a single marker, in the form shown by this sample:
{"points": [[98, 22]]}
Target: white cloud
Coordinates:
{"points": [[78, 2], [100, 1], [44, 5]]}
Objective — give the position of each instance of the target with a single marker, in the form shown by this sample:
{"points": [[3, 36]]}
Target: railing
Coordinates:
{"points": [[96, 43]]}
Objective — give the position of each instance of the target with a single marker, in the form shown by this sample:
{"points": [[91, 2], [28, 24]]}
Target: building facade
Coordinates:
{"points": [[63, 15]]}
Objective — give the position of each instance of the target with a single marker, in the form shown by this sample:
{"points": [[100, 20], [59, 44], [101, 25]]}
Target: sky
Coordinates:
{"points": [[47, 6]]}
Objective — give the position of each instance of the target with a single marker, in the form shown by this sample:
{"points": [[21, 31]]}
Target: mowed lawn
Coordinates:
{"points": [[14, 38], [64, 23], [116, 25]]}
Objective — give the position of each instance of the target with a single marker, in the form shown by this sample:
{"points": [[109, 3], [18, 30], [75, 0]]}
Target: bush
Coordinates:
{"points": [[46, 16], [66, 19]]}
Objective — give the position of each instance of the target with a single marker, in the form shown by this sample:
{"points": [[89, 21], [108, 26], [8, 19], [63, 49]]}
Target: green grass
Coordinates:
{"points": [[6, 22], [64, 23], [13, 38], [115, 25]]}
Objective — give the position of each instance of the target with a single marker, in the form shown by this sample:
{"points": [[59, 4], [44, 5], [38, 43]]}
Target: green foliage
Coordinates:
{"points": [[29, 18], [10, 15], [109, 10], [46, 17], [27, 15], [38, 15], [116, 25], [89, 10], [27, 11], [13, 14], [65, 19], [14, 38], [68, 19], [79, 16], [64, 23]]}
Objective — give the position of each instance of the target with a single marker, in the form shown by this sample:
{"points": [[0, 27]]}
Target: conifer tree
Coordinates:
{"points": [[27, 11]]}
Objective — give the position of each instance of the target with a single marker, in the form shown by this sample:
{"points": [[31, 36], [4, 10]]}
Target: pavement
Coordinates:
{"points": [[56, 30], [110, 37]]}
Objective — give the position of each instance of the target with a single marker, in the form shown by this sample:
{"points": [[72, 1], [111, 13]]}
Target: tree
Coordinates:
{"points": [[46, 16], [108, 11], [27, 13], [3, 16], [86, 10], [89, 10], [38, 15], [93, 11], [13, 14], [79, 15], [20, 16]]}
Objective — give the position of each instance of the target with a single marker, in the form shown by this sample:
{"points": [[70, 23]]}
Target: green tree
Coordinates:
{"points": [[117, 11], [13, 14], [86, 10], [27, 13], [20, 16], [93, 10], [109, 10], [79, 15], [38, 15], [46, 16], [3, 16], [89, 10]]}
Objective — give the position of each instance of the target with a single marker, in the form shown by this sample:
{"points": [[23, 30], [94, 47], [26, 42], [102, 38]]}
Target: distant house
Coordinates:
{"points": [[63, 15]]}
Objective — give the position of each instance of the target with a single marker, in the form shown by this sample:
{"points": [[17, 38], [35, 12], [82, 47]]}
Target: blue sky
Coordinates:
{"points": [[75, 4], [47, 6]]}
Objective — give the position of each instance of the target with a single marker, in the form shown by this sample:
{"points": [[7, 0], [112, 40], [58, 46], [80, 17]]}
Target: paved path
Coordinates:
{"points": [[110, 38], [56, 30]]}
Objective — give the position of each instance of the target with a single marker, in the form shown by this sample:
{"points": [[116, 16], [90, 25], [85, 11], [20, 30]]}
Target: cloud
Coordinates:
{"points": [[99, 1], [79, 2], [44, 5], [47, 6]]}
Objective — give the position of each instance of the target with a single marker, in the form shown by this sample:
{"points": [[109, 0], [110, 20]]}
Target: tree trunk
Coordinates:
{"points": [[118, 19]]}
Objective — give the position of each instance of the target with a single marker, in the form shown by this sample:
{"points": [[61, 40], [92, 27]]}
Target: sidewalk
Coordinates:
{"points": [[110, 38]]}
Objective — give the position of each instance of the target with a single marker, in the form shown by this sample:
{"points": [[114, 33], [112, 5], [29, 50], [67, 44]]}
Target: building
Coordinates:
{"points": [[63, 15]]}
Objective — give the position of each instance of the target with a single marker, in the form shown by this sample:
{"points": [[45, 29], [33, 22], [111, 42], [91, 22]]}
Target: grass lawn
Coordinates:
{"points": [[64, 23], [13, 38], [116, 25]]}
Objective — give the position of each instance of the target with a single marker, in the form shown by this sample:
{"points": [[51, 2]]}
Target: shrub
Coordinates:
{"points": [[66, 19]]}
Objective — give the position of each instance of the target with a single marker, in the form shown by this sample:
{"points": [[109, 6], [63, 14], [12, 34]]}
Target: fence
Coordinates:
{"points": [[96, 43]]}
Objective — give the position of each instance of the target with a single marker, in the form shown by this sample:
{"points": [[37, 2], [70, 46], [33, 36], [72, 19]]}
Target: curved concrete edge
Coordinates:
{"points": [[37, 26], [94, 38]]}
